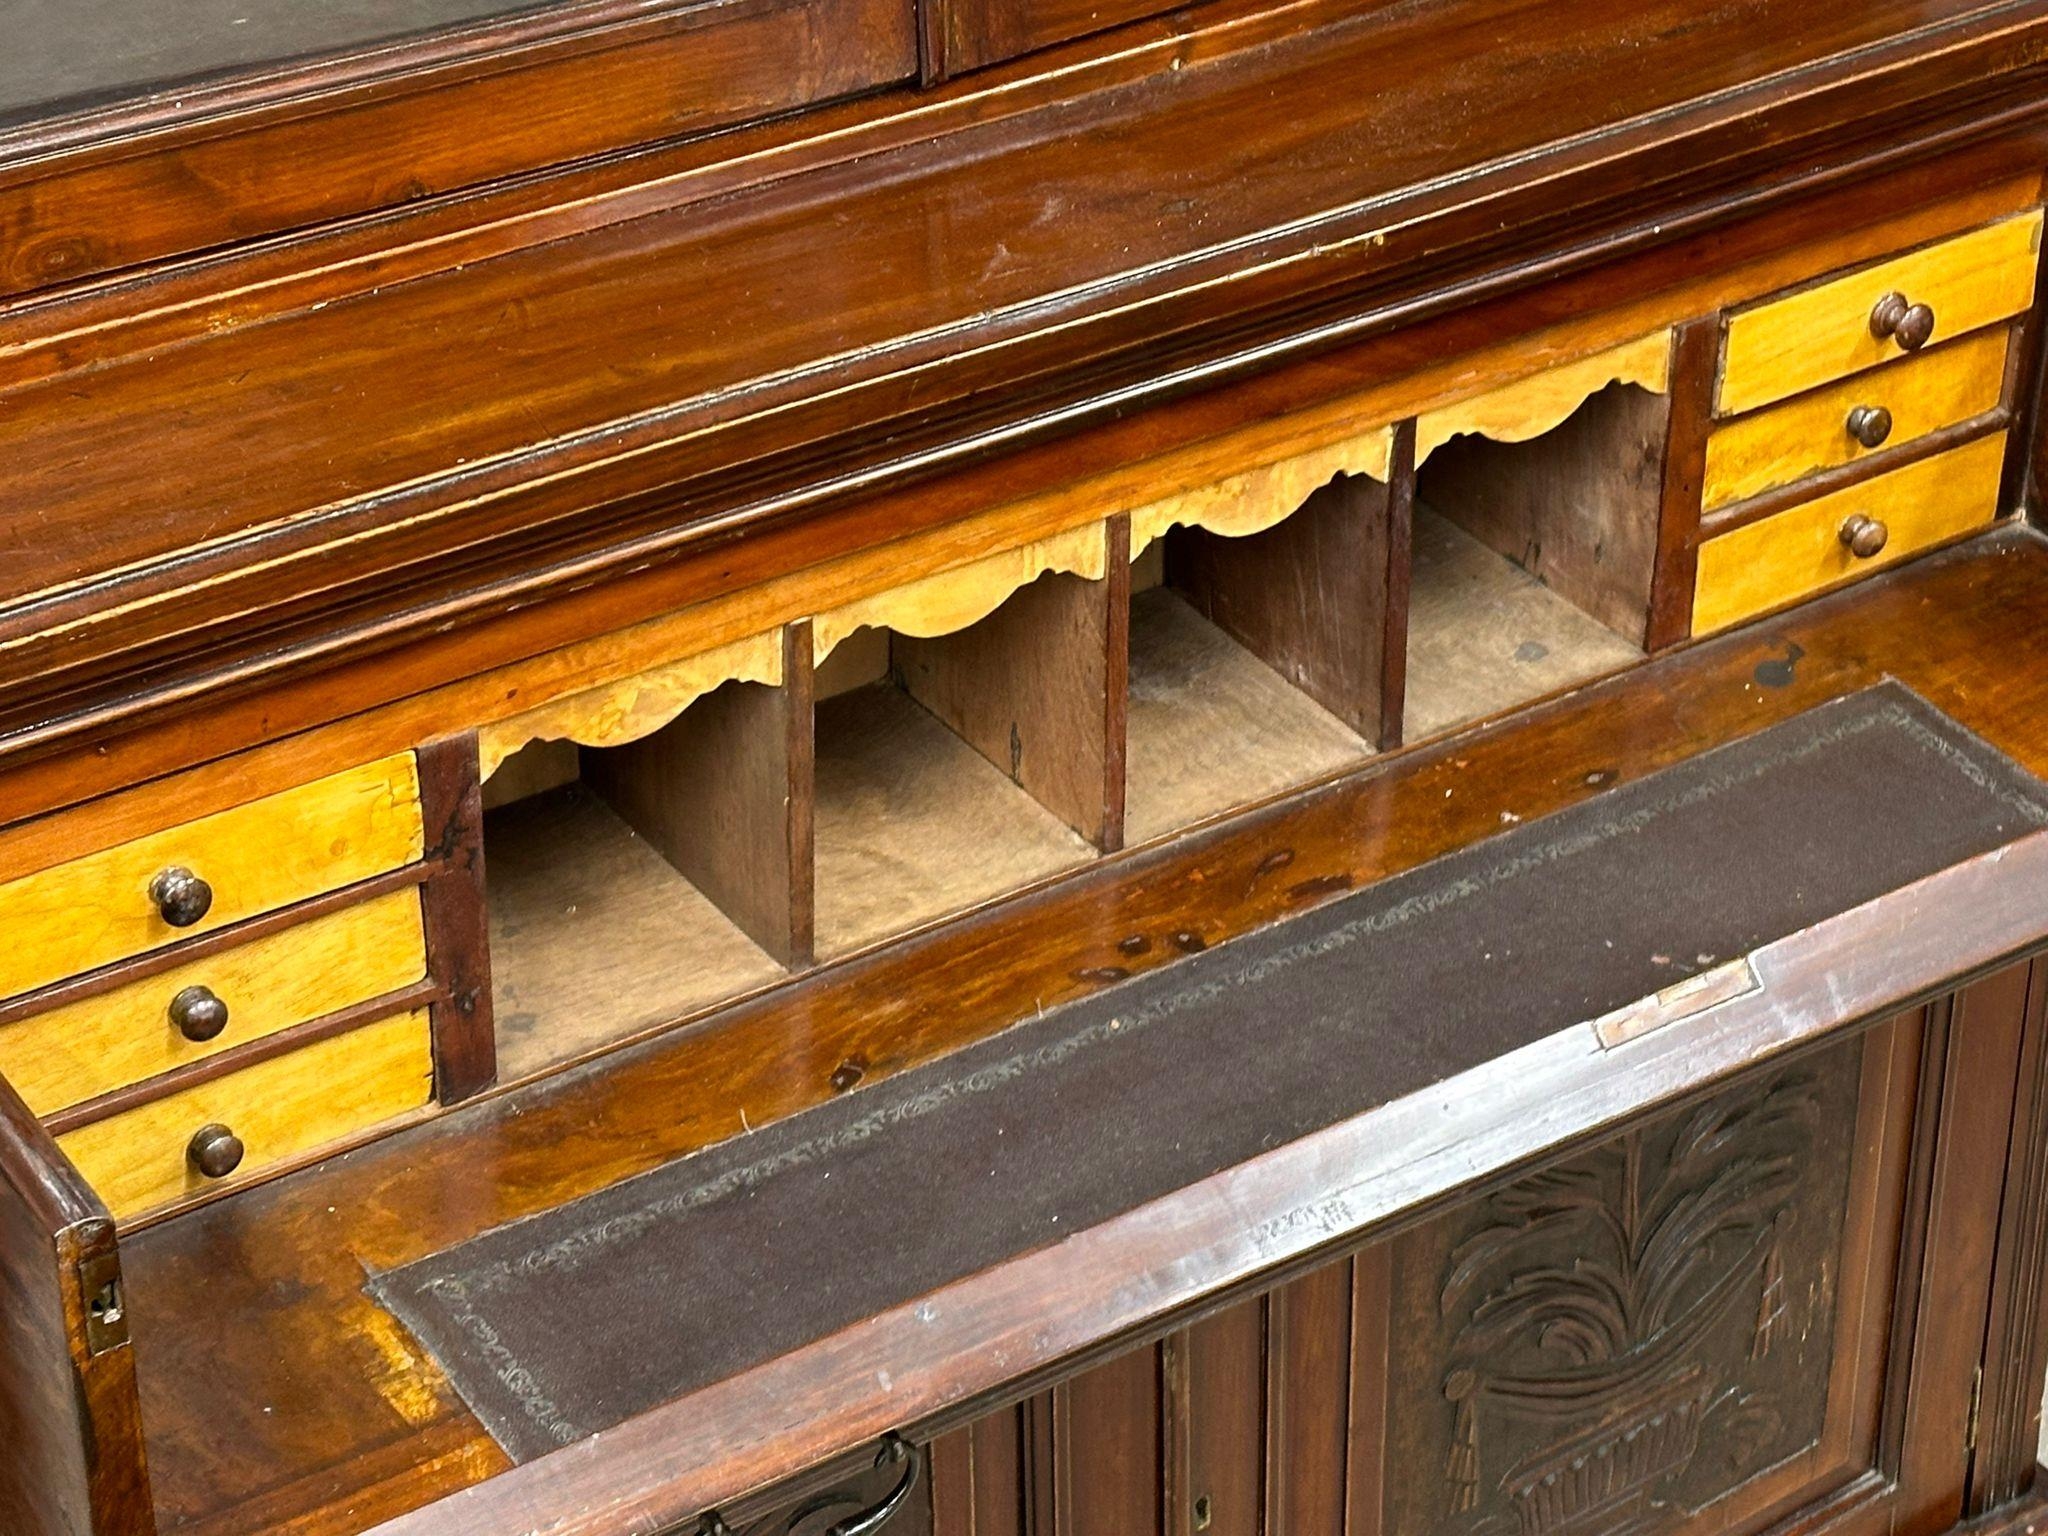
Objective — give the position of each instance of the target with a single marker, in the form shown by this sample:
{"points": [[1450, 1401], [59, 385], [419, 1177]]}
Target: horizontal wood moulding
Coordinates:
{"points": [[362, 1431], [613, 376], [102, 169]]}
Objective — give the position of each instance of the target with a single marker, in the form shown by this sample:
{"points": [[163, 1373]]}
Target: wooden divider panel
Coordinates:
{"points": [[1037, 688], [1309, 596], [723, 793]]}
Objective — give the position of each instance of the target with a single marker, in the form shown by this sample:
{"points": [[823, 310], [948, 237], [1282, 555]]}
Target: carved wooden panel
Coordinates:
{"points": [[1610, 1345]]}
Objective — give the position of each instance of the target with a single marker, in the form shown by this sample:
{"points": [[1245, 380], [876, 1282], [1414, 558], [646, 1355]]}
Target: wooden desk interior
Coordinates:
{"points": [[276, 1394]]}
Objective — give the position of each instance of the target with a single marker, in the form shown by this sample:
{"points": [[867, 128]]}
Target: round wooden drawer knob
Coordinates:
{"points": [[1870, 425], [1910, 325], [199, 1014], [215, 1151], [181, 897], [1864, 536]]}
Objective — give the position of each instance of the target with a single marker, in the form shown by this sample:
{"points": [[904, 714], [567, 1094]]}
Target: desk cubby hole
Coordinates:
{"points": [[956, 768], [1532, 560], [632, 885], [1259, 661]]}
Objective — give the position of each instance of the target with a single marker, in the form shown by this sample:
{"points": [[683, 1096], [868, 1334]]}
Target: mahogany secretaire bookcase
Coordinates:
{"points": [[1023, 767]]}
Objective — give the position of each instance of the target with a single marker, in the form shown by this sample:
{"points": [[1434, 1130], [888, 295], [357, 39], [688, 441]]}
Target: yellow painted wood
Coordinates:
{"points": [[950, 600], [91, 1047], [279, 1108], [1540, 403], [635, 706], [1780, 445], [1257, 498], [74, 917], [1766, 564], [1822, 333]]}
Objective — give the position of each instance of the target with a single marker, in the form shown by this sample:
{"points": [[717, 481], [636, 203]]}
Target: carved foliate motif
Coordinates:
{"points": [[1619, 1340]]}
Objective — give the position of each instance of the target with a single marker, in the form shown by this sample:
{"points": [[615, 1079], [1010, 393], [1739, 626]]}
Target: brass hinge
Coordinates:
{"points": [[1976, 1407]]}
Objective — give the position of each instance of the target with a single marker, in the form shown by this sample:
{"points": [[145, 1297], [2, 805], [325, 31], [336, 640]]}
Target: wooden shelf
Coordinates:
{"points": [[913, 823], [1211, 725], [594, 936], [1484, 635]]}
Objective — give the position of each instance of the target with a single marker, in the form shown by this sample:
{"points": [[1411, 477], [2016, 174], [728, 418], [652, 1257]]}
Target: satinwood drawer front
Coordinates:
{"points": [[231, 1127], [151, 1026], [236, 864], [1869, 413], [1823, 333], [1813, 546]]}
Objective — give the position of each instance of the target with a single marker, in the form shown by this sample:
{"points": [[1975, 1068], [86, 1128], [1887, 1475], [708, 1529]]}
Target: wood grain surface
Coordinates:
{"points": [[257, 857], [1767, 564], [1925, 393], [280, 1108], [83, 1049], [1823, 332]]}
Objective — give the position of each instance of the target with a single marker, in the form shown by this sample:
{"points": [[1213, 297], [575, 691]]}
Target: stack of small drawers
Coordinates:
{"points": [[1860, 420], [192, 1007]]}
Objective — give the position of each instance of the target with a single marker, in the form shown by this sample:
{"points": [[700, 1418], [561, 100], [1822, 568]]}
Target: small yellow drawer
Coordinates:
{"points": [[254, 858], [1819, 334], [278, 1109], [1780, 559], [94, 1046], [1923, 394]]}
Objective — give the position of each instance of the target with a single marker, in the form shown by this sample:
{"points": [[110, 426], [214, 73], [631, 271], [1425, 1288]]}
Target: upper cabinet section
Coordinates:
{"points": [[124, 142]]}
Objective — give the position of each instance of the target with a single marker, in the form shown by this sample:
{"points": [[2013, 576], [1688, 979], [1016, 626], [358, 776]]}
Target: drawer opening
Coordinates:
{"points": [[1533, 560], [631, 885], [959, 767], [1257, 661]]}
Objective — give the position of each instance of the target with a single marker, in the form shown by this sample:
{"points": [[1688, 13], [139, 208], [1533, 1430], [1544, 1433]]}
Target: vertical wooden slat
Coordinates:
{"points": [[1226, 1375], [1400, 581], [1695, 356], [2016, 1345], [1366, 1434], [949, 1462], [1107, 1449], [1116, 690], [978, 1474], [1986, 1027], [1042, 1425], [1308, 1402], [456, 920], [1176, 1435]]}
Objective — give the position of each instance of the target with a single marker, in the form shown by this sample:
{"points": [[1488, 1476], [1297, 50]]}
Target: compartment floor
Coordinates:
{"points": [[1484, 635], [1213, 727]]}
